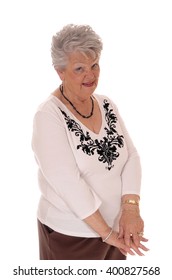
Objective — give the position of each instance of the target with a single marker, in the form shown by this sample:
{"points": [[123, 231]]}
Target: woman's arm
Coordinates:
{"points": [[131, 222], [58, 165]]}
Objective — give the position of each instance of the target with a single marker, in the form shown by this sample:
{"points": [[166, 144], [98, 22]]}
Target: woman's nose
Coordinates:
{"points": [[90, 74]]}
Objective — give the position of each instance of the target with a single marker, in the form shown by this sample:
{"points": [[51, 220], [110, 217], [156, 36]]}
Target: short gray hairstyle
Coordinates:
{"points": [[74, 38]]}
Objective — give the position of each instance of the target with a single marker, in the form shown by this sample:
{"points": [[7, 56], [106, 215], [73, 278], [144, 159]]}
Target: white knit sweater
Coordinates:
{"points": [[81, 171]]}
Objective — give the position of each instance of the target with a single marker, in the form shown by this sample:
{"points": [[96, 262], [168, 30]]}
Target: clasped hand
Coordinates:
{"points": [[129, 239], [131, 229]]}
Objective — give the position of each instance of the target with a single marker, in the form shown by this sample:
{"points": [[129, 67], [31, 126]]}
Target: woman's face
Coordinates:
{"points": [[80, 77]]}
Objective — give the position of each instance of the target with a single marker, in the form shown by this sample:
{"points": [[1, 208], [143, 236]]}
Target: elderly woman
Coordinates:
{"points": [[89, 170]]}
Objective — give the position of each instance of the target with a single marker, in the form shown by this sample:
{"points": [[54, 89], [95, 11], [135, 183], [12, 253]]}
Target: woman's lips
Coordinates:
{"points": [[88, 84]]}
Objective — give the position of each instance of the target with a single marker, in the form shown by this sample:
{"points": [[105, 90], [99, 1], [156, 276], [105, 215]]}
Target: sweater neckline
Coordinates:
{"points": [[78, 121]]}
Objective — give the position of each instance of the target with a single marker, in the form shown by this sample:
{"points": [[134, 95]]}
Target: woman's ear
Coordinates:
{"points": [[60, 73]]}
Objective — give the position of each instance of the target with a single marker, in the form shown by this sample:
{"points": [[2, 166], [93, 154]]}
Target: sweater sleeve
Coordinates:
{"points": [[57, 164], [131, 174]]}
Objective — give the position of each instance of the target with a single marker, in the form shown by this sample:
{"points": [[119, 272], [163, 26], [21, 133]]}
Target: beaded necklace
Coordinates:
{"points": [[85, 117]]}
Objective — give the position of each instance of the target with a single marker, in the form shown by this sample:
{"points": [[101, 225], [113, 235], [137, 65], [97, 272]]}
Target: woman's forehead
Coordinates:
{"points": [[84, 58]]}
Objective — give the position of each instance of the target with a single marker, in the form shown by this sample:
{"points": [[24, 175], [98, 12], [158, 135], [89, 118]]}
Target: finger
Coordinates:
{"points": [[121, 232], [144, 248], [136, 239], [143, 239], [127, 250], [136, 250], [127, 239], [124, 248]]}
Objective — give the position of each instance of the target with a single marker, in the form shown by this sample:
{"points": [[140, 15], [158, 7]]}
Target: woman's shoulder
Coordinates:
{"points": [[48, 104], [49, 107]]}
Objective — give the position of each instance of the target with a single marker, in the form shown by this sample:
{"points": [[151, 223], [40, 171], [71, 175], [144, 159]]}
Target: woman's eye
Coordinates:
{"points": [[79, 69], [95, 66]]}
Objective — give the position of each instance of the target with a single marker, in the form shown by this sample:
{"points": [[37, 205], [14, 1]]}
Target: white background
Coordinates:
{"points": [[136, 72]]}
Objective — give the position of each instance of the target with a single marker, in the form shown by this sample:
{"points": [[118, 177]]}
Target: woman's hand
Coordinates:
{"points": [[115, 241], [140, 246], [131, 224], [131, 228], [119, 243], [96, 222]]}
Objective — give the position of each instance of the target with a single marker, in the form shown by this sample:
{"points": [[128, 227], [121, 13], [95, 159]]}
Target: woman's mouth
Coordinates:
{"points": [[88, 84]]}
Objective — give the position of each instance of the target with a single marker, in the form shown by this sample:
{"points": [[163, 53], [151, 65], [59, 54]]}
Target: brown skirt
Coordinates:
{"points": [[56, 246]]}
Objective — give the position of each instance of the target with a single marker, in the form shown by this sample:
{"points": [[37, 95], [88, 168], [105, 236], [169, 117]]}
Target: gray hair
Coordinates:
{"points": [[74, 38]]}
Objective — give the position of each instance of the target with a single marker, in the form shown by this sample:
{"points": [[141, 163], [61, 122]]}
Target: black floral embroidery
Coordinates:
{"points": [[106, 148]]}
